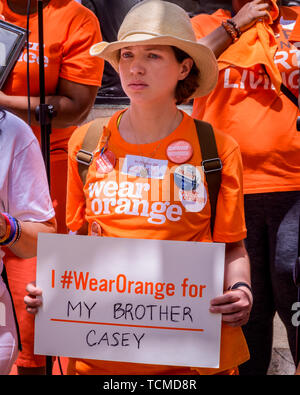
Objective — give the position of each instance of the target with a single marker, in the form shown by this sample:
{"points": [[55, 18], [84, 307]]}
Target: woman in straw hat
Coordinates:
{"points": [[147, 170]]}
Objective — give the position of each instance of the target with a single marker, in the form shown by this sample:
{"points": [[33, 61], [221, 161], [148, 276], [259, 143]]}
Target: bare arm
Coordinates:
{"points": [[26, 246], [219, 40], [237, 266], [72, 103], [235, 305]]}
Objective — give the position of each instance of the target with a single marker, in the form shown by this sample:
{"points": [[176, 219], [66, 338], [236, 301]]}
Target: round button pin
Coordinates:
{"points": [[96, 229], [187, 177], [106, 162], [179, 151], [193, 201]]}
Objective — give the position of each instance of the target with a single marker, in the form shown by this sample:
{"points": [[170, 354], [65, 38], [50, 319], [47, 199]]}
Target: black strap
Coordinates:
{"points": [[294, 99], [85, 156], [211, 164], [5, 279], [285, 90]]}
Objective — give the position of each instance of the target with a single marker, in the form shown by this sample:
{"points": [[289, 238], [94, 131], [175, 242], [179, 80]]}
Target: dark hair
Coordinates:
{"points": [[188, 86]]}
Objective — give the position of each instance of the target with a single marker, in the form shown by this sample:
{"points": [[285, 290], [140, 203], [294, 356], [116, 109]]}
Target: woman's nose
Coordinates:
{"points": [[137, 67]]}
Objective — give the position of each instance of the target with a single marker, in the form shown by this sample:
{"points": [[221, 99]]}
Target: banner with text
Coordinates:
{"points": [[129, 300]]}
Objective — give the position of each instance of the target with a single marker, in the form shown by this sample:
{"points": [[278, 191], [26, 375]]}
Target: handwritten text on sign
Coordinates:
{"points": [[144, 301]]}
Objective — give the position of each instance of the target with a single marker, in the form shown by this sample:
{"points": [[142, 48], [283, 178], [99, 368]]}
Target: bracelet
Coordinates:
{"points": [[18, 235], [8, 228], [13, 231], [240, 284], [231, 30], [238, 31]]}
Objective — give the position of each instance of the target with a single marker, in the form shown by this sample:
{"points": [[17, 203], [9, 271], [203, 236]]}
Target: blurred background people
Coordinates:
{"points": [[25, 210], [255, 57]]}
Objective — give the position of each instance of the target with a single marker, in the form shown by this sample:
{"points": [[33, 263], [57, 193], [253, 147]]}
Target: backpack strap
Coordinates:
{"points": [[85, 155], [211, 164]]}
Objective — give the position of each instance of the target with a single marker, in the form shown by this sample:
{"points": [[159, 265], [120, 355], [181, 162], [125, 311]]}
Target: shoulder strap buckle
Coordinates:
{"points": [[84, 157], [211, 165]]}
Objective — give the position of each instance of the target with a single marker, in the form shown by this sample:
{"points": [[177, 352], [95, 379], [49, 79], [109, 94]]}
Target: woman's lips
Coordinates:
{"points": [[138, 85]]}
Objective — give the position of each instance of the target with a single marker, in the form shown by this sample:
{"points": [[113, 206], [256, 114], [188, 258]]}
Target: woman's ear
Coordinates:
{"points": [[185, 69]]}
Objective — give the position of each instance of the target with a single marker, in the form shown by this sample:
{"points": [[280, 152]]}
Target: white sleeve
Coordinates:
{"points": [[28, 191]]}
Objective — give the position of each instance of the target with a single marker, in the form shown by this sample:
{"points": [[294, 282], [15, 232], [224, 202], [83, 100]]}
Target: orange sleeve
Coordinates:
{"points": [[77, 63], [75, 205], [198, 22], [204, 24], [230, 219], [199, 107], [295, 35]]}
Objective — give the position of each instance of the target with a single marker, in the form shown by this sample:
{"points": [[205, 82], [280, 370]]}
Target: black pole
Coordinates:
{"points": [[297, 266], [297, 283], [44, 114]]}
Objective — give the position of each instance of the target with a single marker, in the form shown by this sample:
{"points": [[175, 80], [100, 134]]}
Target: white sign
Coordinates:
{"points": [[128, 300]]}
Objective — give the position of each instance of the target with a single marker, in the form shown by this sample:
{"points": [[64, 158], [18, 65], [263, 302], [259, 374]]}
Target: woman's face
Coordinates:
{"points": [[150, 73]]}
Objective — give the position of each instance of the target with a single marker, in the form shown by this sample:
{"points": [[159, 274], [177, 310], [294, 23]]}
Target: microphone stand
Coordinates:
{"points": [[44, 114], [297, 283]]}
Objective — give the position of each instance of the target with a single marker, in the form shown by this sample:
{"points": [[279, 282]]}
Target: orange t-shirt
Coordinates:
{"points": [[123, 203], [70, 29], [245, 106]]}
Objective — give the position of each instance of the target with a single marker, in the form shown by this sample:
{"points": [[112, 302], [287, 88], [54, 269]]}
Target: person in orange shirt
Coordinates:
{"points": [[26, 209], [132, 189], [248, 105], [72, 78]]}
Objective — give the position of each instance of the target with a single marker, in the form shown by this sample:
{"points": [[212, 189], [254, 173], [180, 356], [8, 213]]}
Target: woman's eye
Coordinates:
{"points": [[126, 54], [154, 56]]}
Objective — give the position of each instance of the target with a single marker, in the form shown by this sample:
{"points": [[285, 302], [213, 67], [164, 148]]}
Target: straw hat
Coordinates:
{"points": [[159, 22]]}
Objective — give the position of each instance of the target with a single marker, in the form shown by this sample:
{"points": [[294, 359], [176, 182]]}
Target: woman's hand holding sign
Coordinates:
{"points": [[234, 305], [33, 300]]}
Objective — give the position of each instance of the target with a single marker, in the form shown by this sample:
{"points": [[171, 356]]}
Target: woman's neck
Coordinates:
{"points": [[20, 6], [141, 125]]}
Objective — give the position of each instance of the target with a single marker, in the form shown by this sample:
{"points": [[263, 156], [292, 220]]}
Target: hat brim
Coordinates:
{"points": [[203, 56]]}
